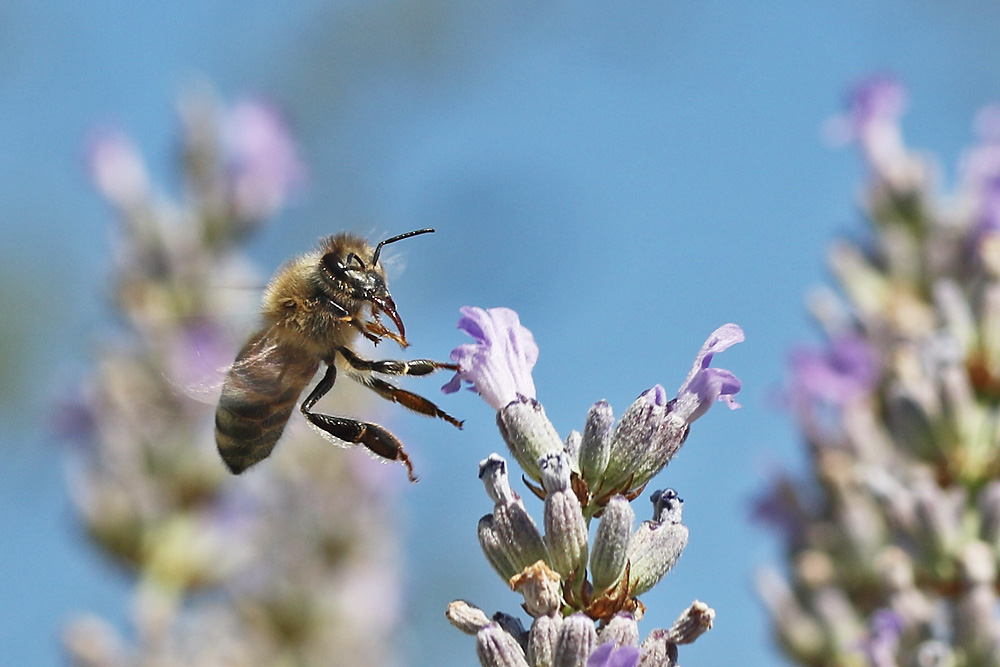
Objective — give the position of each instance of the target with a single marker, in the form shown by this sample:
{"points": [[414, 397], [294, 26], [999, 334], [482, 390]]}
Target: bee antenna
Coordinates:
{"points": [[407, 235]]}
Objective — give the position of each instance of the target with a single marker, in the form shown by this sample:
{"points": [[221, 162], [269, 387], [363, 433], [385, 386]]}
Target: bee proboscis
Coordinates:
{"points": [[313, 309]]}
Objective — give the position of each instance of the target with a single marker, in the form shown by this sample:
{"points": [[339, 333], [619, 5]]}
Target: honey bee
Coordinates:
{"points": [[313, 309]]}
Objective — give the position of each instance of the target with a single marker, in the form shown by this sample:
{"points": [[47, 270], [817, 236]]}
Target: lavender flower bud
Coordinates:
{"points": [[540, 586], [595, 448], [960, 403], [989, 335], [695, 621], [837, 615], [897, 502], [934, 653], [493, 473], [978, 564], [494, 549], [542, 640], [509, 537], [466, 617], [528, 433], [798, 631], [894, 569], [989, 511], [614, 533], [909, 423], [657, 650], [188, 553], [519, 535], [92, 641], [572, 449], [956, 312], [495, 647], [975, 613], [622, 629], [657, 544], [938, 516], [565, 527], [577, 640], [643, 441]]}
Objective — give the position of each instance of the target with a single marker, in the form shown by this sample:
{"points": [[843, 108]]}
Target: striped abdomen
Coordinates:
{"points": [[259, 394]]}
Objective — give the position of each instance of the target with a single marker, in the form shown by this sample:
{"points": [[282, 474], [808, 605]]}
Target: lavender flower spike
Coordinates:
{"points": [[703, 384], [498, 365], [262, 159]]}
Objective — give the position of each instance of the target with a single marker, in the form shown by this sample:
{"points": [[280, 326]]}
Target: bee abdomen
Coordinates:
{"points": [[242, 440], [256, 402]]}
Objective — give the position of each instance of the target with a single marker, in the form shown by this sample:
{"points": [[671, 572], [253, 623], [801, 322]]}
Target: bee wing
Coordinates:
{"points": [[198, 366], [257, 398], [200, 350]]}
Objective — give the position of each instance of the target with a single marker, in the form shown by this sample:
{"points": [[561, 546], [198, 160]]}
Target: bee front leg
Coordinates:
{"points": [[378, 330], [375, 439], [357, 324], [394, 366]]}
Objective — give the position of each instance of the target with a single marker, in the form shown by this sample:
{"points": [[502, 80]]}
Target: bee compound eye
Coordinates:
{"points": [[332, 265]]}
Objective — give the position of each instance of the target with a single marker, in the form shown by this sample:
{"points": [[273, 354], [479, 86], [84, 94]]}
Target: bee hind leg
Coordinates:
{"points": [[373, 437]]}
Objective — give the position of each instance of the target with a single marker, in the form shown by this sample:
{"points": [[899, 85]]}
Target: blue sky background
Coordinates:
{"points": [[628, 178]]}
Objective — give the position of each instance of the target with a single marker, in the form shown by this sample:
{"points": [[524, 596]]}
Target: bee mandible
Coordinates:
{"points": [[313, 309]]}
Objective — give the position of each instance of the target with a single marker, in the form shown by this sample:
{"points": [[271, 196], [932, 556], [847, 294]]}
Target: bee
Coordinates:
{"points": [[313, 310]]}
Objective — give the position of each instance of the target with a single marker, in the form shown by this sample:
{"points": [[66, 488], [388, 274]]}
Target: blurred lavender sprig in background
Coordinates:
{"points": [[581, 594], [893, 543], [294, 564]]}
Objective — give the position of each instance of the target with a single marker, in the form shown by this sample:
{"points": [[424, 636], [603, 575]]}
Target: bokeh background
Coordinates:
{"points": [[628, 178]]}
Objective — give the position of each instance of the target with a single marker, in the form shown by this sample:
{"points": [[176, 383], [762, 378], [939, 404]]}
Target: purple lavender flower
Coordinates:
{"points": [[262, 160], [875, 100], [980, 174], [882, 641], [75, 418], [777, 506], [116, 168], [989, 207], [498, 365], [705, 385], [874, 107], [606, 655], [848, 368]]}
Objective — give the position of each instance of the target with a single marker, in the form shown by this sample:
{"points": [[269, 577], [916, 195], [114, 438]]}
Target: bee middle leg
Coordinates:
{"points": [[408, 399], [373, 437], [392, 393]]}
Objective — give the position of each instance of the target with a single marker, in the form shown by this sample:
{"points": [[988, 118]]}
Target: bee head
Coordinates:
{"points": [[365, 283]]}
